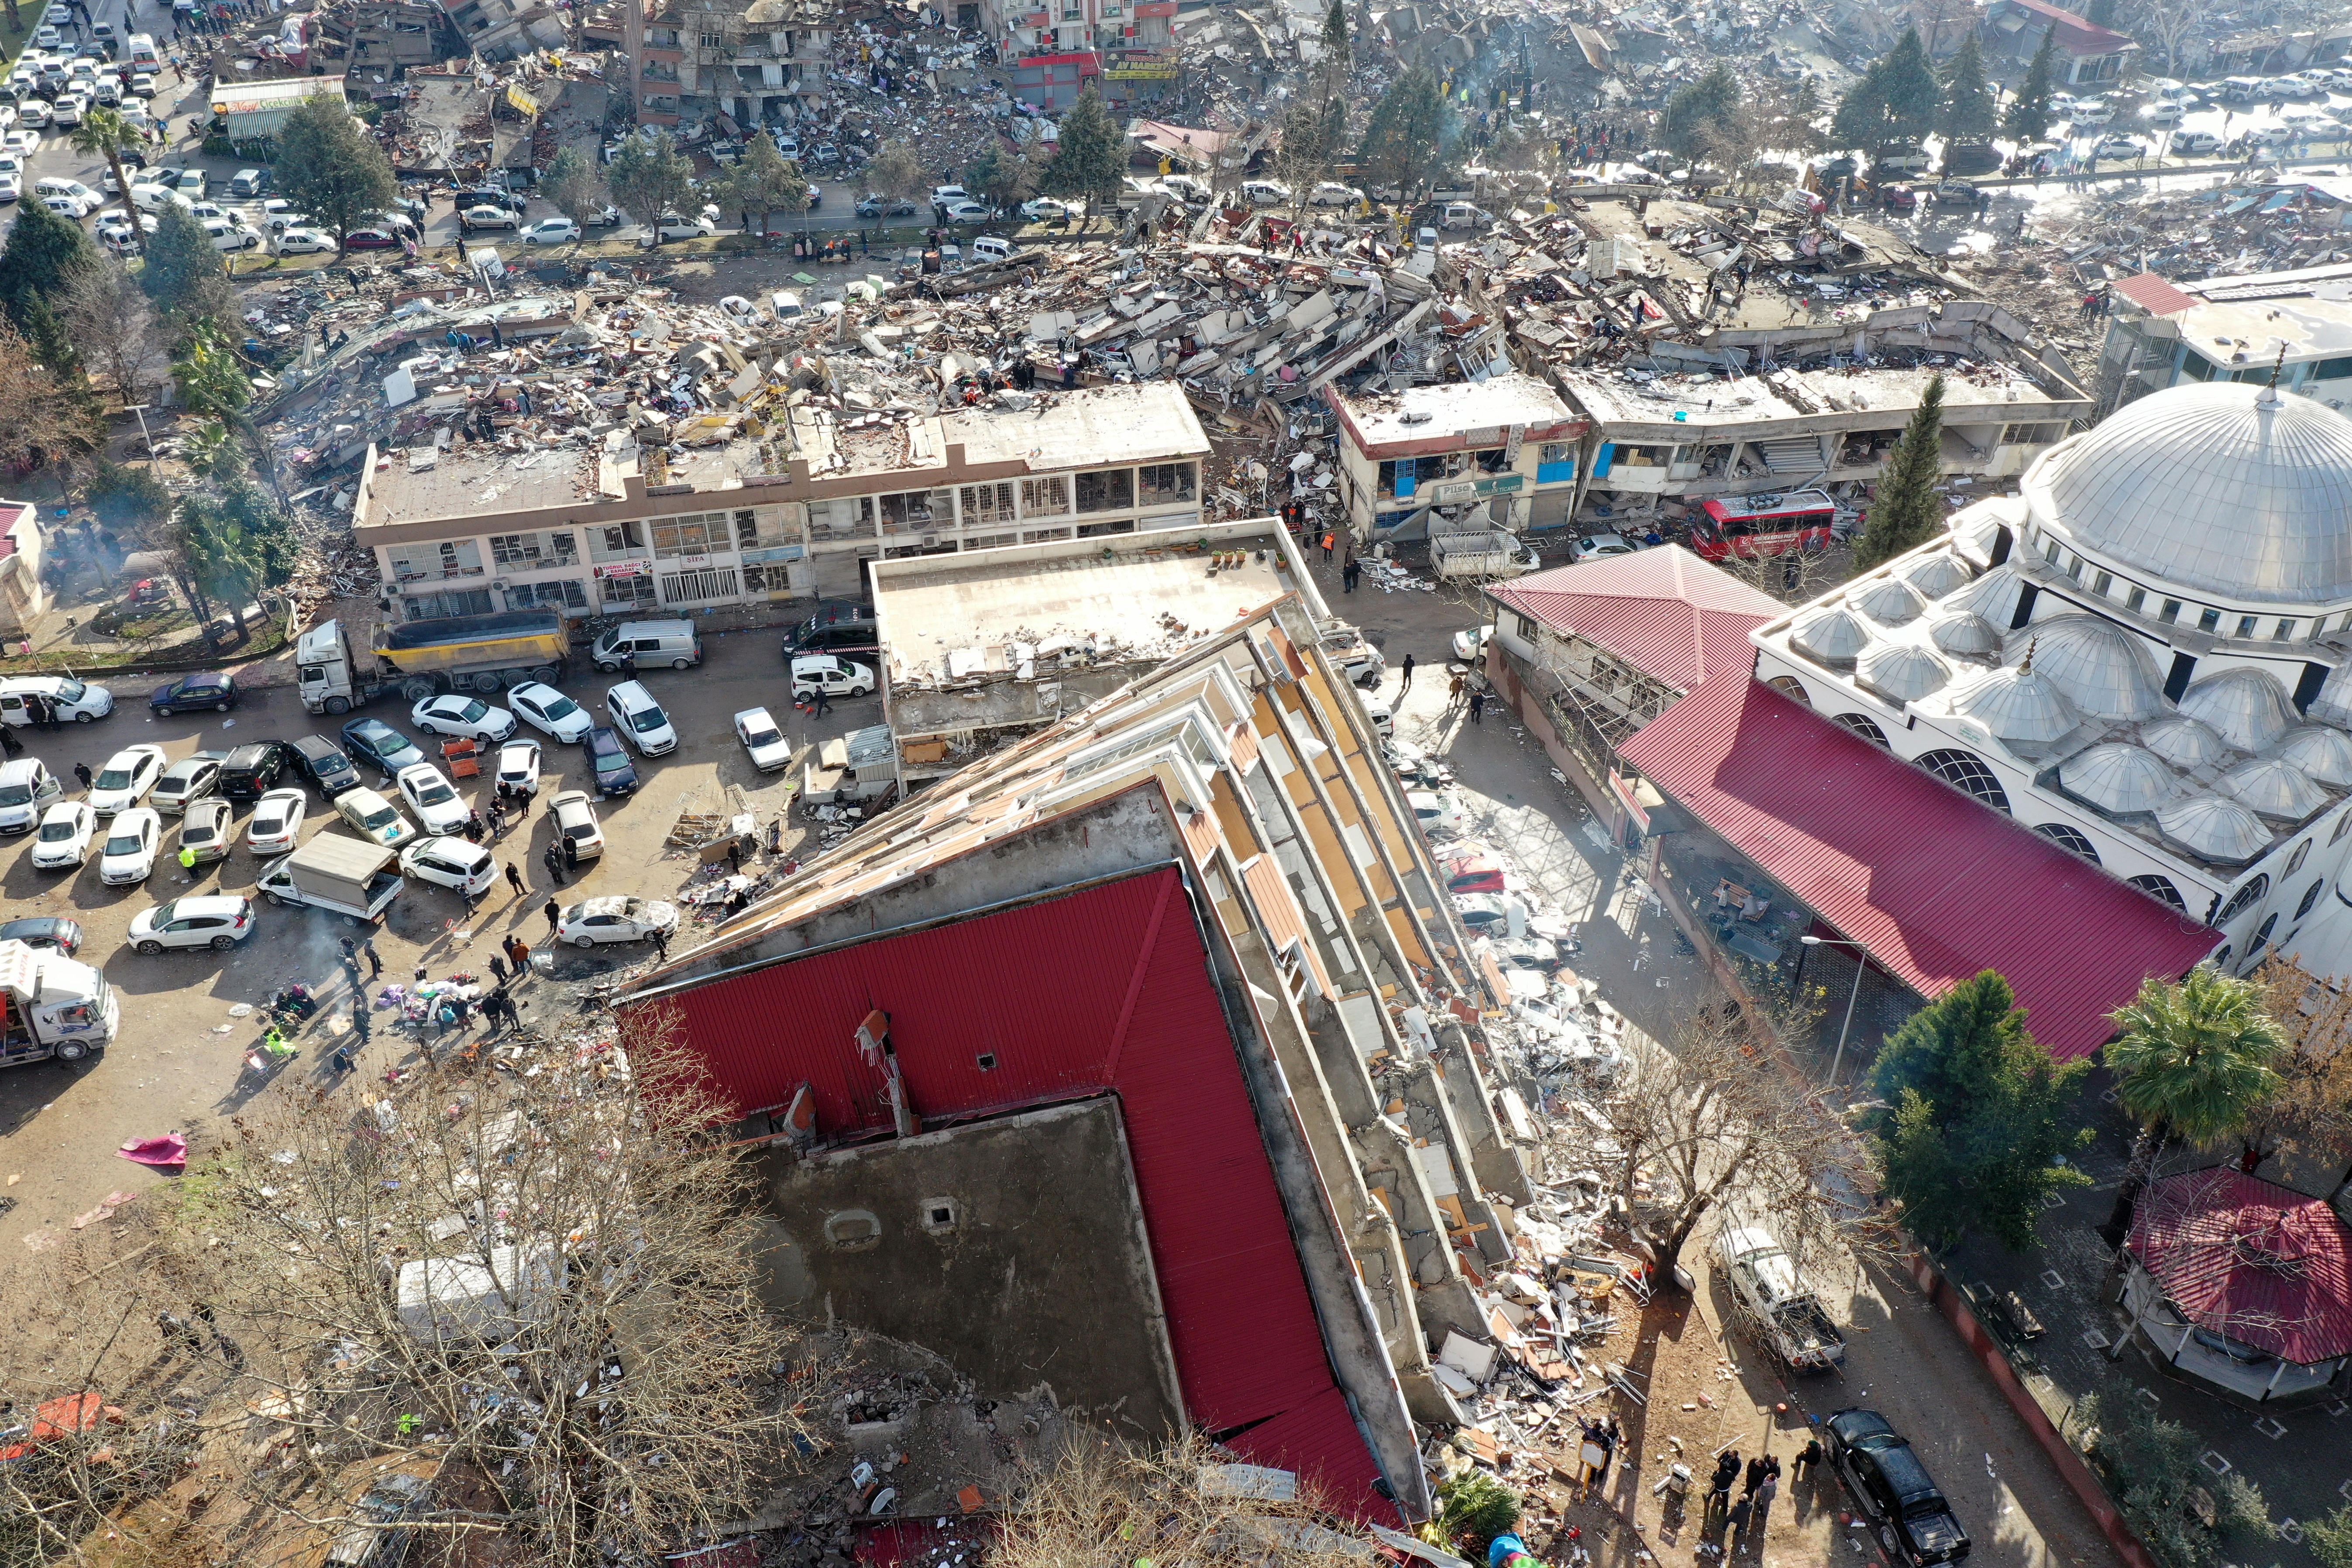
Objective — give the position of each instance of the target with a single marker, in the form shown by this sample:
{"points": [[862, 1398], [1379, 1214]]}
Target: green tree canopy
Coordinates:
{"points": [[1897, 99], [573, 185], [1967, 114], [1906, 513], [649, 176], [329, 166], [1090, 155], [1976, 1133], [2193, 1055], [1002, 179], [1703, 119], [2028, 116], [765, 181], [104, 133], [1411, 136], [45, 251], [182, 270], [128, 496]]}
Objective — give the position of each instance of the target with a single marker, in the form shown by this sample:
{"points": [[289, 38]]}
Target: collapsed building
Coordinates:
{"points": [[761, 61], [1194, 932]]}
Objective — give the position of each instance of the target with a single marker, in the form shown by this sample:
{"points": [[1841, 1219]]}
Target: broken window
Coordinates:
{"points": [[625, 592], [1043, 535], [697, 533], [985, 504], [1491, 461], [914, 512], [447, 558], [713, 41], [1097, 529], [998, 540], [847, 517], [565, 593], [517, 550], [1165, 484], [1048, 497], [614, 540], [1111, 489]]}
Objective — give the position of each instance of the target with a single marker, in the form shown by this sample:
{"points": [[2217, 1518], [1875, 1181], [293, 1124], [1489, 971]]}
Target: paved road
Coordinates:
{"points": [[171, 1068]]}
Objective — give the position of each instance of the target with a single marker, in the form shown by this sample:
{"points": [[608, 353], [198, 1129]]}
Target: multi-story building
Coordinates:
{"points": [[1055, 47], [760, 63], [1200, 912], [2292, 327], [1508, 443], [741, 510]]}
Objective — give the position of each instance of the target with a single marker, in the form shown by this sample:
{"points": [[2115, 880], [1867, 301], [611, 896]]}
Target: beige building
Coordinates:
{"points": [[21, 595], [738, 509]]}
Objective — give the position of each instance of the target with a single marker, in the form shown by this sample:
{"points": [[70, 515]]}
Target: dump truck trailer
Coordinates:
{"points": [[422, 658]]}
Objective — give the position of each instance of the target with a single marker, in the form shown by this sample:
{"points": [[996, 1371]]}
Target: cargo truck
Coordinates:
{"points": [[335, 872], [422, 658], [55, 1006], [1489, 552]]}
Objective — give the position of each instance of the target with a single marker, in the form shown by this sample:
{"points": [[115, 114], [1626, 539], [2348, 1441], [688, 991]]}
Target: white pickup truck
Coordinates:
{"points": [[1772, 1304]]}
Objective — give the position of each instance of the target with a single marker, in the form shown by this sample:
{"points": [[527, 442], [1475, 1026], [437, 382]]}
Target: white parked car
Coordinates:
{"points": [[12, 188], [594, 920], [451, 863], [69, 108], [204, 829], [761, 738], [743, 310], [126, 778], [456, 715], [130, 853], [518, 775], [968, 212], [142, 84], [1438, 815], [64, 836], [575, 823], [487, 217], [1045, 208], [277, 825], [640, 718], [546, 709], [674, 227], [210, 919], [375, 818], [433, 799], [551, 231], [301, 242], [1333, 193], [26, 789]]}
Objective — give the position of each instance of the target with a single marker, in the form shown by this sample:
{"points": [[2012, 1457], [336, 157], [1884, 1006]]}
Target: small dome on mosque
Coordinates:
{"points": [[1993, 596], [1937, 575], [2246, 706], [1903, 670], [2019, 704], [2184, 742], [2104, 669], [1833, 634], [2322, 750], [2120, 777], [1890, 601], [2275, 788], [1964, 634], [2214, 826]]}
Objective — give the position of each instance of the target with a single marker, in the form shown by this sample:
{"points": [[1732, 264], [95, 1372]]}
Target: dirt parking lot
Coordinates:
{"points": [[177, 1063]]}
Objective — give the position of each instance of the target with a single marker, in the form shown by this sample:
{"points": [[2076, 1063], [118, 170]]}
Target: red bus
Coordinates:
{"points": [[1763, 525]]}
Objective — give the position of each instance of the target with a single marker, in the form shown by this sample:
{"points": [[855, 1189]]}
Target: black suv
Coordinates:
{"points": [[843, 629], [1913, 1522], [252, 771], [325, 764]]}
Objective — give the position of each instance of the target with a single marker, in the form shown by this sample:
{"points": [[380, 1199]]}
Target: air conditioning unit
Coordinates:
{"points": [[396, 590], [498, 583]]}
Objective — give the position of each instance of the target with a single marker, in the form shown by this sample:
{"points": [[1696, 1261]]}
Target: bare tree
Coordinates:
{"points": [[2169, 24], [113, 326], [534, 1288], [2309, 1112], [1719, 1117], [42, 417]]}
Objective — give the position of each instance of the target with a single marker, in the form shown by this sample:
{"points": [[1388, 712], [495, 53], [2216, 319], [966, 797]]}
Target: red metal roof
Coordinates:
{"points": [[1939, 887], [1663, 611], [2154, 294], [1105, 990], [2076, 36], [2263, 1263]]}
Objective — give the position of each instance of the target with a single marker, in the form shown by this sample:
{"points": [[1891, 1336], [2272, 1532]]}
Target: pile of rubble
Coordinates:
{"points": [[2238, 226]]}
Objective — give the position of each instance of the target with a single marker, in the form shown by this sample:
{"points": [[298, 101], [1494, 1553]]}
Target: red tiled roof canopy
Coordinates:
{"points": [[2076, 35], [2155, 295], [2267, 1266], [1663, 611], [1937, 886]]}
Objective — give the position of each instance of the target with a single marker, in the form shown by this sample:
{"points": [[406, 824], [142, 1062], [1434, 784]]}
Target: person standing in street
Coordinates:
{"points": [[498, 970], [552, 911], [552, 858], [514, 880], [1350, 574], [1478, 707], [376, 964], [1406, 684], [661, 946]]}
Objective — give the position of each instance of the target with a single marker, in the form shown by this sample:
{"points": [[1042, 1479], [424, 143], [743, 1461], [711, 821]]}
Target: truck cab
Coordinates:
{"points": [[53, 1005]]}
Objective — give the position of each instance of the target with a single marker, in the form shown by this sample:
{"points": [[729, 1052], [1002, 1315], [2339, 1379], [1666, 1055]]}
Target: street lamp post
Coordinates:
{"points": [[140, 410], [1860, 963]]}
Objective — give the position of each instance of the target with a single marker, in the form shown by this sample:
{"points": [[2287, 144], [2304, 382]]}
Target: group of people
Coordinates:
{"points": [[1759, 1485]]}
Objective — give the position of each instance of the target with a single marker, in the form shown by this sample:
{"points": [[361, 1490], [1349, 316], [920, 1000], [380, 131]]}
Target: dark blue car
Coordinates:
{"points": [[213, 690], [374, 741], [608, 761]]}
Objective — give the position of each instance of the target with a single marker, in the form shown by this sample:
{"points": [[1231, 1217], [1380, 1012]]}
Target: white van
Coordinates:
{"points": [[989, 248], [227, 235], [784, 305], [139, 50], [1378, 712], [72, 699], [26, 788], [640, 645], [640, 718]]}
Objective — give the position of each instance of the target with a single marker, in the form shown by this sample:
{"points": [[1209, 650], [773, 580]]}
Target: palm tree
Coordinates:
{"points": [[104, 132], [2189, 1060]]}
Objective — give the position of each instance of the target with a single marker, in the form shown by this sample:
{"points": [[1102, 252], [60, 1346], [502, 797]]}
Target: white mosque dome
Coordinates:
{"points": [[2120, 777], [2246, 706], [1831, 633], [2104, 669], [1965, 634], [2320, 750], [2184, 742], [2213, 826], [1937, 575], [2020, 705], [1891, 602], [1904, 671], [1992, 596], [2275, 788], [2223, 486]]}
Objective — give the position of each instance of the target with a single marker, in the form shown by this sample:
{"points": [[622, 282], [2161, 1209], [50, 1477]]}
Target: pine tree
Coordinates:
{"points": [[182, 272], [1861, 120], [649, 176], [2028, 117], [1907, 511], [1411, 134], [1967, 114], [1911, 89], [43, 252], [1795, 127], [1704, 116], [1975, 1134], [329, 166], [1339, 54], [1089, 155]]}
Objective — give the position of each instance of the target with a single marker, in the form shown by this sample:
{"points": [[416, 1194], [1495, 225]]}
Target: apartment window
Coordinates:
{"points": [[848, 517], [1072, 11], [747, 529], [1097, 529], [2075, 568], [2170, 613], [987, 503], [625, 592], [1164, 484], [2133, 600], [697, 533], [2246, 625], [2102, 582], [1111, 489], [914, 512], [457, 601], [1526, 627], [2285, 632], [2209, 620], [566, 593], [989, 541], [766, 577], [615, 540], [1043, 535], [1048, 497], [713, 41], [517, 550], [2050, 552]]}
